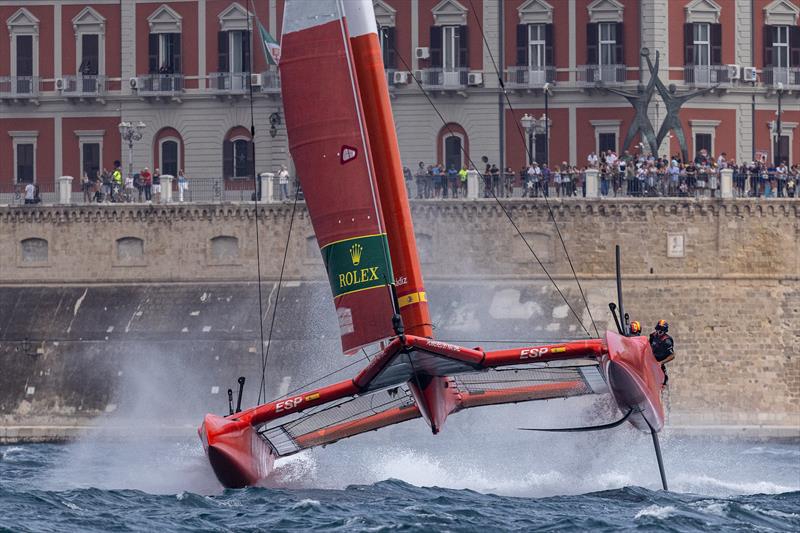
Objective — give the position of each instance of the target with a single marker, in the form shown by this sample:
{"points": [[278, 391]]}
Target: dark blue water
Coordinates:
{"points": [[112, 484]]}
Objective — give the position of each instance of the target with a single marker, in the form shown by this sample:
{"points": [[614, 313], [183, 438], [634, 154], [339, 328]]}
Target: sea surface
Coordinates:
{"points": [[409, 481]]}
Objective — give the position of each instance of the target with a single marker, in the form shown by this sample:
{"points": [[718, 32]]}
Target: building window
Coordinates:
{"points": [[237, 158], [780, 46], [90, 159], [24, 63], [703, 141], [607, 43], [234, 51], [25, 168], [606, 142], [536, 46], [164, 53], [449, 47], [90, 54], [169, 157], [387, 41], [702, 44], [34, 250]]}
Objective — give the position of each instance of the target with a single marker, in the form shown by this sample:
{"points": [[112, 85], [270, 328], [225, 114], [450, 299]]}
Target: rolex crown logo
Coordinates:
{"points": [[355, 253]]}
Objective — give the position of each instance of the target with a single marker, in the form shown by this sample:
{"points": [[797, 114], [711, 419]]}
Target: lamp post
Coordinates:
{"points": [[527, 122], [778, 127], [131, 133], [546, 89]]}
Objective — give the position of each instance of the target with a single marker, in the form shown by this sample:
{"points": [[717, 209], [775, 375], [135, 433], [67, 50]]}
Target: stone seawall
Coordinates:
{"points": [[166, 294]]}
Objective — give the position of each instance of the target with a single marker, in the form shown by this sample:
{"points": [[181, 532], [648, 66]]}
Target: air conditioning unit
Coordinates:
{"points": [[749, 74], [475, 78], [255, 80], [60, 84], [418, 76], [134, 83], [422, 52], [400, 77], [733, 72]]}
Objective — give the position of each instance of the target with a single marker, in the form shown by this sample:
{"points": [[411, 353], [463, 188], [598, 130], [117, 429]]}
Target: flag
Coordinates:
{"points": [[271, 48]]}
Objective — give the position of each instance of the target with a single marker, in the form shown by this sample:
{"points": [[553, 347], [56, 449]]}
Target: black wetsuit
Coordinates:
{"points": [[662, 346]]}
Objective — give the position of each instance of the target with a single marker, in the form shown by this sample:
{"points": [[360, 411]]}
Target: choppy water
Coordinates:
{"points": [[376, 484]]}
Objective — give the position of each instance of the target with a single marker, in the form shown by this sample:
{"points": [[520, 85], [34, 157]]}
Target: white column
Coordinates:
{"points": [[166, 188], [273, 19], [726, 185], [57, 68], [58, 146], [591, 183], [473, 184], [573, 65], [267, 187], [64, 189], [201, 43], [573, 136]]}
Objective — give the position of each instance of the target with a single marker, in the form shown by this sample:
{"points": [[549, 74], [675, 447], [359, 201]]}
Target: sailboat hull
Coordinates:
{"points": [[238, 455], [635, 379]]}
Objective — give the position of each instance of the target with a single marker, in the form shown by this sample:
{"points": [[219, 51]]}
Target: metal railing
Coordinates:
{"points": [[589, 75], [527, 78], [19, 86], [14, 193], [270, 82], [788, 76], [439, 78], [229, 82], [83, 85], [706, 75], [159, 84]]}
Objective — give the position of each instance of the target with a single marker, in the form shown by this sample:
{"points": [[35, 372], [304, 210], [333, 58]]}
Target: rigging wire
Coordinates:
{"points": [[522, 135], [255, 205], [263, 385], [499, 203]]}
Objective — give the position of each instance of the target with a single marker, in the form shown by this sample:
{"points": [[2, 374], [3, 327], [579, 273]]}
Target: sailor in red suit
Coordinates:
{"points": [[662, 346]]}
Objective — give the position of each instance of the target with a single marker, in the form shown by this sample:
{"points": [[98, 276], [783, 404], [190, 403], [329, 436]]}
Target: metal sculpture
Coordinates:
{"points": [[673, 102], [640, 100]]}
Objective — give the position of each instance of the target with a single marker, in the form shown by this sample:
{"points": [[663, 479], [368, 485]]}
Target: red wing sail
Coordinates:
{"points": [[330, 149]]}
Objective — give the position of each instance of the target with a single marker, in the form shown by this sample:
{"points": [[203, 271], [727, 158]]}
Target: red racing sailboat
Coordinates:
{"points": [[343, 142]]}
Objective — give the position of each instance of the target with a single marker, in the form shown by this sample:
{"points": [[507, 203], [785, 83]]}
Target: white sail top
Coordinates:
{"points": [[360, 17], [303, 14]]}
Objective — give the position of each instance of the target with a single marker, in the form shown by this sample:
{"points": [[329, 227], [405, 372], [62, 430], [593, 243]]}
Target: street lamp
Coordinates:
{"points": [[528, 122], [546, 89], [131, 132], [778, 128]]}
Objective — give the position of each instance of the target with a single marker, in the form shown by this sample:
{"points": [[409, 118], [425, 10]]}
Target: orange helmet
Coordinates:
{"points": [[662, 326], [636, 328]]}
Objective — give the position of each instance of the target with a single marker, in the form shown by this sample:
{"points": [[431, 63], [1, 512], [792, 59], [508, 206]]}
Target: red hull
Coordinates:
{"points": [[238, 455], [635, 379]]}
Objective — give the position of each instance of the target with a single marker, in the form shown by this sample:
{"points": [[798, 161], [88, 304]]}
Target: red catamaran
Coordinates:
{"points": [[343, 141]]}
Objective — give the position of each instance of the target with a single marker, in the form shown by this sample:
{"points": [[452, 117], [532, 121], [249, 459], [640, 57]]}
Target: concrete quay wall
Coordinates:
{"points": [[102, 308]]}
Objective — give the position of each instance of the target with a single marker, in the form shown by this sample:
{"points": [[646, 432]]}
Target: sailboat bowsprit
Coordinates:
{"points": [[343, 141]]}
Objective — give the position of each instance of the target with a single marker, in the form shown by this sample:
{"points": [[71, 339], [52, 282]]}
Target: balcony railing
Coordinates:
{"points": [[270, 82], [19, 86], [589, 75], [229, 82], [706, 75], [441, 79], [788, 76], [160, 84], [83, 86], [528, 78]]}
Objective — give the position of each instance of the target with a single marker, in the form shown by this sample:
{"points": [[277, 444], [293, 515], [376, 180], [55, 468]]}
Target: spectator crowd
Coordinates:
{"points": [[639, 175]]}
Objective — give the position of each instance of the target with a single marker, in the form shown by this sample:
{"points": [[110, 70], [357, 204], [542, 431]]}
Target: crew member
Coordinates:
{"points": [[635, 329], [662, 346]]}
